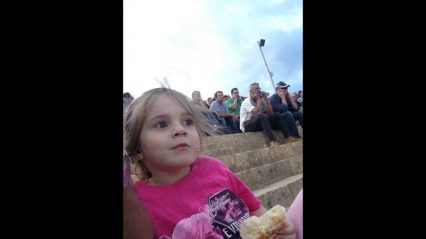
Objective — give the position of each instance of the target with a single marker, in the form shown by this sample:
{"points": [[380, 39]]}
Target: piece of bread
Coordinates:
{"points": [[264, 227]]}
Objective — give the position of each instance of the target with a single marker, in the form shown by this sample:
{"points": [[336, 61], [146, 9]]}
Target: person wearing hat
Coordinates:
{"points": [[283, 104], [256, 114]]}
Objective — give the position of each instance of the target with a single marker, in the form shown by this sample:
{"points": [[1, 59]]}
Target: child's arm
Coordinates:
{"points": [[258, 212]]}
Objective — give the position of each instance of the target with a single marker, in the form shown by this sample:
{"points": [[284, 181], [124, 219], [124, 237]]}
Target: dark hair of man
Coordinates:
{"points": [[215, 94]]}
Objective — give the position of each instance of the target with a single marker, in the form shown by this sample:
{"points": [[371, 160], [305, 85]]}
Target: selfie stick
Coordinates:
{"points": [[262, 43]]}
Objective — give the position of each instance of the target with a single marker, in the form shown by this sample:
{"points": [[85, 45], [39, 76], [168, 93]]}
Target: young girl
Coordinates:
{"points": [[163, 136]]}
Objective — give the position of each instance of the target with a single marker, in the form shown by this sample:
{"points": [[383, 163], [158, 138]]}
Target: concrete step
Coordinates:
{"points": [[283, 192], [254, 158], [236, 143], [264, 175]]}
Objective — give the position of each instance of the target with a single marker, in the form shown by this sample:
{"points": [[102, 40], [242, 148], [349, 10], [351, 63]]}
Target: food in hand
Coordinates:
{"points": [[268, 225]]}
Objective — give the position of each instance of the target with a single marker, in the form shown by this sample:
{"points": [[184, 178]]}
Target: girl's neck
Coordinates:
{"points": [[164, 178]]}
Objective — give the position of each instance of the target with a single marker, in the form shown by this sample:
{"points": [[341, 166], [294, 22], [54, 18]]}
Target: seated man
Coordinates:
{"points": [[222, 110], [300, 98], [256, 114], [234, 104], [295, 98], [283, 104]]}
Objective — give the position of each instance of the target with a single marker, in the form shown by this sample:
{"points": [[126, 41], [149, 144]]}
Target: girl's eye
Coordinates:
{"points": [[161, 125], [188, 122]]}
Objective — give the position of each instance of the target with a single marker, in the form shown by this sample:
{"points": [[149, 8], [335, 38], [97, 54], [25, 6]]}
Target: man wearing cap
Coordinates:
{"points": [[256, 114], [283, 104]]}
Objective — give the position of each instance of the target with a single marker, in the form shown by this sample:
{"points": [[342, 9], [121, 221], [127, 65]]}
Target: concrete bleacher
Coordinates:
{"points": [[275, 174]]}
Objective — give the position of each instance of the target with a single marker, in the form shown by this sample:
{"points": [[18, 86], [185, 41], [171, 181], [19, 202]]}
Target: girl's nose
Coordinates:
{"points": [[179, 130]]}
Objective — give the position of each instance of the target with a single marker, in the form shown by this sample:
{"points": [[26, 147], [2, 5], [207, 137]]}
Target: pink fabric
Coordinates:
{"points": [[197, 226], [210, 186], [295, 214]]}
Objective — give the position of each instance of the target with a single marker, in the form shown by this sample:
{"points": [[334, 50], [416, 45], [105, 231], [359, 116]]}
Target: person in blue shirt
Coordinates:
{"points": [[283, 104]]}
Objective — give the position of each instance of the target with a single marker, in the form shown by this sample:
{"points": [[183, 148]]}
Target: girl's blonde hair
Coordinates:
{"points": [[138, 112]]}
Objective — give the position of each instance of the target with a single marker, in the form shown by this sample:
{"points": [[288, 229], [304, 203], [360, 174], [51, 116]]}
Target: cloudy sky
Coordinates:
{"points": [[211, 45]]}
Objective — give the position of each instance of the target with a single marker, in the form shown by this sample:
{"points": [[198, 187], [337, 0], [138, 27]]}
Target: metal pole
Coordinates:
{"points": [[267, 68]]}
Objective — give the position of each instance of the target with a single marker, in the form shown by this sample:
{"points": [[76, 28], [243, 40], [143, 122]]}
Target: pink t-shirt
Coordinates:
{"points": [[209, 186]]}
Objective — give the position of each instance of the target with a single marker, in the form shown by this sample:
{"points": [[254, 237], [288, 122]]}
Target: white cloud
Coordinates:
{"points": [[286, 23]]}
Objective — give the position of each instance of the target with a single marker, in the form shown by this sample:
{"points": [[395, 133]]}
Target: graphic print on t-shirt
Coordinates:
{"points": [[227, 211]]}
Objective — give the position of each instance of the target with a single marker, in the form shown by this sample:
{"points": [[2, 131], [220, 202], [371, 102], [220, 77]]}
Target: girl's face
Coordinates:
{"points": [[169, 138]]}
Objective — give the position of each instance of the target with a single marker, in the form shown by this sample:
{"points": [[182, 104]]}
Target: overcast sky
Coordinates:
{"points": [[211, 45]]}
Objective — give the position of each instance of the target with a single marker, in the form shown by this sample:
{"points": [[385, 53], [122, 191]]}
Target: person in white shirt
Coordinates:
{"points": [[256, 114]]}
